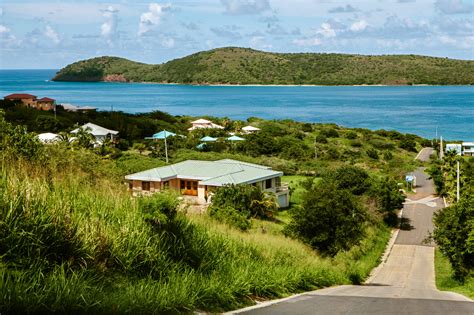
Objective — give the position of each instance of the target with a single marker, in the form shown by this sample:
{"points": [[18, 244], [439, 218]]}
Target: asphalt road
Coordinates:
{"points": [[404, 283]]}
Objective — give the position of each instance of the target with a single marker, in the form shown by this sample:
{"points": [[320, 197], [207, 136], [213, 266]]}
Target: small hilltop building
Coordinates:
{"points": [[197, 179], [32, 101], [204, 124]]}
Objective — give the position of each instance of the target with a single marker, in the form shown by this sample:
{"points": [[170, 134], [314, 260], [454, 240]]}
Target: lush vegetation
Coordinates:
{"points": [[454, 234], [454, 225], [445, 280], [295, 148], [73, 241], [336, 210], [233, 65], [237, 204]]}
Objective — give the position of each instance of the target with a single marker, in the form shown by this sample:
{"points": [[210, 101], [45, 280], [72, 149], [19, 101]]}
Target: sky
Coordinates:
{"points": [[49, 34]]}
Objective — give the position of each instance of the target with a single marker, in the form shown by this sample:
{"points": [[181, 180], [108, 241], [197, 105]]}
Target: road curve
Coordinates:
{"points": [[404, 283]]}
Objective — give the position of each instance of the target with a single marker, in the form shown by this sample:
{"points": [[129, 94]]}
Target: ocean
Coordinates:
{"points": [[421, 110]]}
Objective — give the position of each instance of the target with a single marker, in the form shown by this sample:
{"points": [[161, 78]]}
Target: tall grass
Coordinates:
{"points": [[70, 243]]}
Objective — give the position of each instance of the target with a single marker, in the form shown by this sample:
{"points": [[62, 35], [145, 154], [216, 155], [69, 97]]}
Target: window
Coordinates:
{"points": [[188, 185], [146, 186], [182, 184], [195, 185], [130, 185], [268, 183], [166, 185]]}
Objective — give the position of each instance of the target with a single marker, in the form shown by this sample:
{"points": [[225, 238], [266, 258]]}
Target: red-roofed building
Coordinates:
{"points": [[26, 99], [29, 100], [45, 103]]}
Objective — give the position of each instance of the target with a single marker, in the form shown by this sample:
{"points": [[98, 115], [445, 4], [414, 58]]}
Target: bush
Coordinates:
{"points": [[351, 135], [321, 139], [239, 202], [389, 199], [387, 155], [352, 178], [454, 234], [330, 219], [356, 143], [329, 133], [408, 144], [373, 154], [381, 144], [232, 217]]}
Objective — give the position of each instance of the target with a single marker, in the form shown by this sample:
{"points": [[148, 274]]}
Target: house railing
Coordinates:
{"points": [[282, 188]]}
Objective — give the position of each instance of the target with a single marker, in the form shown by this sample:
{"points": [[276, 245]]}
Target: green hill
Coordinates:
{"points": [[247, 66]]}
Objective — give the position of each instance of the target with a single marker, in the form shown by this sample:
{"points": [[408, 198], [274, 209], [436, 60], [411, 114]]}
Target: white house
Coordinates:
{"points": [[48, 137], [468, 148], [250, 129], [197, 179], [454, 147], [204, 124], [100, 133]]}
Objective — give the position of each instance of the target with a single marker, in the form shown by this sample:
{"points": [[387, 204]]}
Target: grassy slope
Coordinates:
{"points": [[233, 65], [444, 280], [73, 241]]}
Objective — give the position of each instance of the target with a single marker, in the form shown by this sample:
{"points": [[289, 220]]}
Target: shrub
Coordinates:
{"points": [[373, 154], [387, 155], [389, 199], [329, 133], [232, 217], [381, 144], [249, 201], [408, 144], [321, 139], [352, 178], [17, 142], [330, 219], [356, 143], [454, 234], [351, 135]]}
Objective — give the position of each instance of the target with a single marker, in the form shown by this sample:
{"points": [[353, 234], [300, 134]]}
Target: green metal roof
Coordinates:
{"points": [[212, 173]]}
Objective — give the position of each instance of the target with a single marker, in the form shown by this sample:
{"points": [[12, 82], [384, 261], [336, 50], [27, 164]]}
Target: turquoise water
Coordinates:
{"points": [[414, 109]]}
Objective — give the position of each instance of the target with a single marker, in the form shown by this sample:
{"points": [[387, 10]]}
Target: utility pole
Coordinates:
{"points": [[166, 149], [441, 151], [457, 181], [315, 149]]}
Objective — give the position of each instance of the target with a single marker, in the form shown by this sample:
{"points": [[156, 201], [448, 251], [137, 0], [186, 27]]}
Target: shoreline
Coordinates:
{"points": [[266, 85]]}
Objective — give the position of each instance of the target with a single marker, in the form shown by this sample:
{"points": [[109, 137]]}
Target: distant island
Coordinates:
{"points": [[243, 66]]}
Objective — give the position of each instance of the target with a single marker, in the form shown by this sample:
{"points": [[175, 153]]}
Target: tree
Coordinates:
{"points": [[352, 178], [17, 142], [330, 219], [389, 199], [454, 234]]}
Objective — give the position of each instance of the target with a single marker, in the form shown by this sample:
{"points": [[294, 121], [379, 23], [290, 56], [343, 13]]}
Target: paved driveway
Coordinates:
{"points": [[404, 283]]}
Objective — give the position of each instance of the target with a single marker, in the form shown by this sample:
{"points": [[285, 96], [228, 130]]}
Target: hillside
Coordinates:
{"points": [[247, 66]]}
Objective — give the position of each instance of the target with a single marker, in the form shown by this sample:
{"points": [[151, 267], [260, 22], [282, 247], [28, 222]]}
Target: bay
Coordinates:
{"points": [[412, 109]]}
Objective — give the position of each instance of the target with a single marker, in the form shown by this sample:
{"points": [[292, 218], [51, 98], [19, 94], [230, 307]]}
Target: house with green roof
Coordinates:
{"points": [[198, 179]]}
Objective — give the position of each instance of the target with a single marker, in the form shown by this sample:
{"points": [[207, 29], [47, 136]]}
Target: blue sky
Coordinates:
{"points": [[51, 34]]}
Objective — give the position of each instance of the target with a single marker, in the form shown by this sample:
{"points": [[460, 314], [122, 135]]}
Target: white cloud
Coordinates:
{"points": [[454, 6], [152, 17], [343, 9], [258, 42], [359, 26], [326, 30], [305, 42], [4, 29], [109, 28], [167, 42], [243, 7], [51, 33]]}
